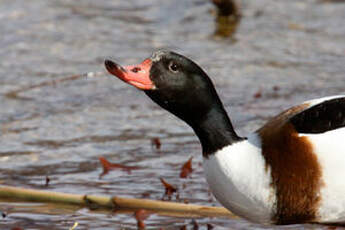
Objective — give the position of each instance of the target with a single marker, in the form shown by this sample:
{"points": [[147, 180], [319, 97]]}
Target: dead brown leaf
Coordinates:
{"points": [[107, 166], [186, 168]]}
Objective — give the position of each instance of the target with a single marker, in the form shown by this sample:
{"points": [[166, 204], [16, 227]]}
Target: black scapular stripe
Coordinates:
{"points": [[323, 117]]}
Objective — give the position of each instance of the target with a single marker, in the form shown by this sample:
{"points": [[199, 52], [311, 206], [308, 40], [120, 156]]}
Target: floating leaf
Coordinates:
{"points": [[209, 227], [156, 142], [186, 168], [47, 181], [276, 88], [169, 189], [140, 216], [332, 227], [258, 94], [107, 166], [145, 194]]}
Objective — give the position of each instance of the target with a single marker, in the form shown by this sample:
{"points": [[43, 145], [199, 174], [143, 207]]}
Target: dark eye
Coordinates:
{"points": [[173, 67]]}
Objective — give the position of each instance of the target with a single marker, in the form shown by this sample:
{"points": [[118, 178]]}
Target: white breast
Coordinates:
{"points": [[240, 180], [329, 148]]}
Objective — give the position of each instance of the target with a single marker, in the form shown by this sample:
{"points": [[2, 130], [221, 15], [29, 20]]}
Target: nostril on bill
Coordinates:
{"points": [[135, 69]]}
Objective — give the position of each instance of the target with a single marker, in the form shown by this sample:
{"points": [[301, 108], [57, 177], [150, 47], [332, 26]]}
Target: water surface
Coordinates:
{"points": [[283, 53]]}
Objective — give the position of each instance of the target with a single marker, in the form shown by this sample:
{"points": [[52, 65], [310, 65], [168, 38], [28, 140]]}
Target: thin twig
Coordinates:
{"points": [[54, 82]]}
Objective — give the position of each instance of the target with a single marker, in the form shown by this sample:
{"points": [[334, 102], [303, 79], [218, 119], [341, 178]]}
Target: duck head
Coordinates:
{"points": [[180, 86], [173, 81]]}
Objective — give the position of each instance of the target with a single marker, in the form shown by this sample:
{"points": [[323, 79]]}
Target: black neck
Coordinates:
{"points": [[214, 130], [203, 111]]}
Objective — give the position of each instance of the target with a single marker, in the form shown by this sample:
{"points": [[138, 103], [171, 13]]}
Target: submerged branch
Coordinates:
{"points": [[54, 82], [114, 203]]}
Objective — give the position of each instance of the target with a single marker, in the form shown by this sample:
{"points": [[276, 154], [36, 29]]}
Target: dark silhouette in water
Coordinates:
{"points": [[227, 19]]}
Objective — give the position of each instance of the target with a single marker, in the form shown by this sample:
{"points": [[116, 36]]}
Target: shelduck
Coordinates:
{"points": [[287, 172]]}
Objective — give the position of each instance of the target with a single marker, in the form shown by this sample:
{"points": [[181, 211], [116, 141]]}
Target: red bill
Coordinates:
{"points": [[136, 75]]}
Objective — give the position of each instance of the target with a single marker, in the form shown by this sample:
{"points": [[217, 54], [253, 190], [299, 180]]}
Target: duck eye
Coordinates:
{"points": [[173, 67]]}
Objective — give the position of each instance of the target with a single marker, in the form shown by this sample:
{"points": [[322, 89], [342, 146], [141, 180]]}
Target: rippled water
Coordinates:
{"points": [[283, 52]]}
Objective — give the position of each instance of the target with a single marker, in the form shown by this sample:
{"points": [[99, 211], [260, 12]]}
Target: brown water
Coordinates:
{"points": [[283, 52]]}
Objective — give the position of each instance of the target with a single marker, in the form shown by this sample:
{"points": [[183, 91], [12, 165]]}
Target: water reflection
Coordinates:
{"points": [[227, 19]]}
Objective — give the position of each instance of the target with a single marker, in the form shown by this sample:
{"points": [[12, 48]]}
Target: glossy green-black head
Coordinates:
{"points": [[173, 81], [180, 86]]}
